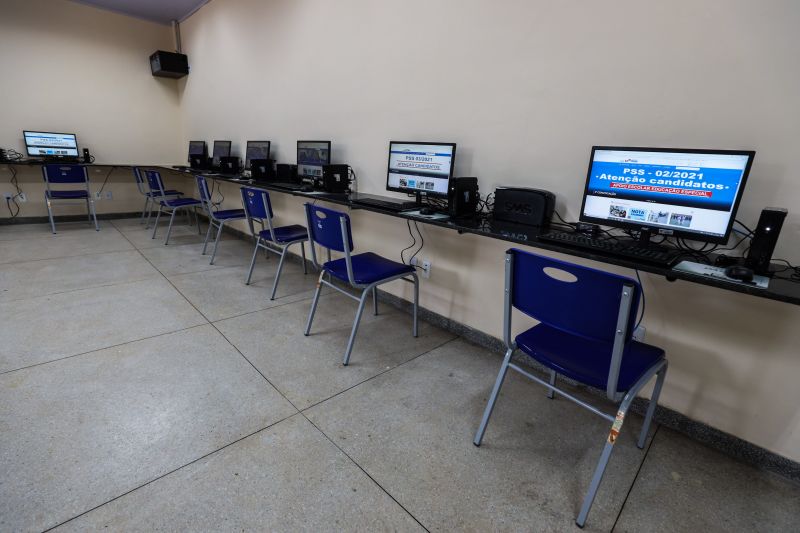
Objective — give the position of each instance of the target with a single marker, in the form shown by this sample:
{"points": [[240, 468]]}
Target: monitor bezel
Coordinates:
{"points": [[660, 230], [415, 191], [27, 147], [205, 150], [297, 155], [247, 149]]}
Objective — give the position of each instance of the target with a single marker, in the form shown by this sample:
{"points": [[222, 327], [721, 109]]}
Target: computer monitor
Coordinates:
{"points": [[256, 150], [197, 149], [47, 144], [692, 194], [221, 149], [420, 167], [311, 156]]}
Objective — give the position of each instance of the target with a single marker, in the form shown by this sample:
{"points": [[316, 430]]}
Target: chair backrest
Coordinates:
{"points": [[205, 194], [576, 299], [325, 227], [256, 203], [155, 182], [55, 173], [140, 182]]}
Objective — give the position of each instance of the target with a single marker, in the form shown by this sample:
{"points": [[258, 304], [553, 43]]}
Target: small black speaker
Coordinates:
{"points": [[522, 205], [336, 178], [169, 64], [287, 173], [765, 238], [462, 197]]}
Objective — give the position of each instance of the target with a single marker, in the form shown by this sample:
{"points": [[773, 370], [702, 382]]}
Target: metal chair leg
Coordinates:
{"points": [[278, 274], [208, 234], [662, 374], [550, 393], [252, 263], [93, 211], [144, 209], [362, 301], [598, 473], [169, 228], [216, 241], [314, 303], [50, 214], [501, 376], [415, 326], [375, 300], [155, 226], [303, 255], [149, 213], [197, 221]]}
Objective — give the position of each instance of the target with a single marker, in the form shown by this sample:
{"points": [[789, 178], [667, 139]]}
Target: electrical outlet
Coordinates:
{"points": [[639, 333], [97, 195], [23, 197], [109, 196], [426, 269], [7, 195]]}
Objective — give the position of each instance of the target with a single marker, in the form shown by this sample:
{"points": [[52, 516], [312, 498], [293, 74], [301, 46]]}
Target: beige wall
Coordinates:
{"points": [[525, 88], [72, 68]]}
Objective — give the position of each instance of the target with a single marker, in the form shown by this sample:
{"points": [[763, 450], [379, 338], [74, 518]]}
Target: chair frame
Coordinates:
{"points": [[91, 213], [623, 399], [149, 196], [213, 221], [366, 290], [162, 198], [277, 247]]}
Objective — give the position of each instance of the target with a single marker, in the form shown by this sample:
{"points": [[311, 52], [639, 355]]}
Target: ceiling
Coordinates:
{"points": [[162, 11]]}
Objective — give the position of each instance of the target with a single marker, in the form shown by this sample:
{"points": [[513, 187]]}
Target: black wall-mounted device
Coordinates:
{"points": [[169, 64], [462, 197], [336, 178], [522, 205], [765, 238]]}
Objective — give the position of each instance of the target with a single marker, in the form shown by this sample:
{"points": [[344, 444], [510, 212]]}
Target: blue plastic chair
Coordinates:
{"points": [[586, 319], [63, 174], [216, 217], [170, 204], [258, 209], [149, 195], [331, 230]]}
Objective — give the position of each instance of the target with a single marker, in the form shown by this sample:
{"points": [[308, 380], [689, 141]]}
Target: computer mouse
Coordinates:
{"points": [[739, 272], [427, 211]]}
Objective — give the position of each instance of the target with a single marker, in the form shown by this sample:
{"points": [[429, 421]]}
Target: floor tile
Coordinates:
{"points": [[684, 486], [83, 430], [187, 258], [222, 293], [411, 429], [309, 369], [65, 244], [16, 232], [286, 478], [50, 327], [48, 276], [182, 233]]}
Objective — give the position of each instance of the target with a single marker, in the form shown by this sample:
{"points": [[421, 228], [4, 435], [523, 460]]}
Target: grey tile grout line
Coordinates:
{"points": [[301, 413], [165, 474], [71, 256], [101, 349], [635, 478], [68, 291]]}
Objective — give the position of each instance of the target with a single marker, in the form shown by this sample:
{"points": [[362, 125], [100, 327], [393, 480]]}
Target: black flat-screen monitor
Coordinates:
{"points": [[311, 156], [420, 167], [48, 144], [256, 150], [221, 149], [692, 194], [197, 148]]}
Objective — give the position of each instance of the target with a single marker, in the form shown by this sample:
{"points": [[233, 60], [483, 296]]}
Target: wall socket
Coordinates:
{"points": [[22, 197], [424, 265], [639, 333], [109, 196], [7, 195], [98, 195]]}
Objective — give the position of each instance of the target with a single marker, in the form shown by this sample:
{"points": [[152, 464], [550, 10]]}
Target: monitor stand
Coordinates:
{"points": [[643, 241]]}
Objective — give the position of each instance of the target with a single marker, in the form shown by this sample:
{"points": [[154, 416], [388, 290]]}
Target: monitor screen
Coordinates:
{"points": [[256, 150], [221, 149], [420, 167], [311, 155], [686, 193], [46, 144], [197, 148]]}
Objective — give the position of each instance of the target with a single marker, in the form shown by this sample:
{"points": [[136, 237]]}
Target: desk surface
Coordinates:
{"points": [[781, 287]]}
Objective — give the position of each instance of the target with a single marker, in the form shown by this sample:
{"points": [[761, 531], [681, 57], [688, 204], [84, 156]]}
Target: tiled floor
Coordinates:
{"points": [[143, 389]]}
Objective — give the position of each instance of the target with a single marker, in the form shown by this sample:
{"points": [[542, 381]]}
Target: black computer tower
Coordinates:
{"points": [[765, 238], [462, 197], [262, 169], [336, 178], [287, 173], [229, 165]]}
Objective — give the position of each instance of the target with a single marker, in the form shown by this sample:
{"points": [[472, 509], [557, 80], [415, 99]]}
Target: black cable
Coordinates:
{"points": [[644, 302], [108, 174], [403, 251], [422, 239], [750, 232]]}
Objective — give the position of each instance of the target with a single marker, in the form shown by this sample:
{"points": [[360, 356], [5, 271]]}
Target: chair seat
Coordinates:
{"points": [[180, 202], [585, 360], [64, 195], [286, 234], [170, 192], [228, 214], [367, 268]]}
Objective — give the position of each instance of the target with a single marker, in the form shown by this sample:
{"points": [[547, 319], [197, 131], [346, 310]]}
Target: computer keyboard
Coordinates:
{"points": [[655, 256], [387, 205], [288, 185]]}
